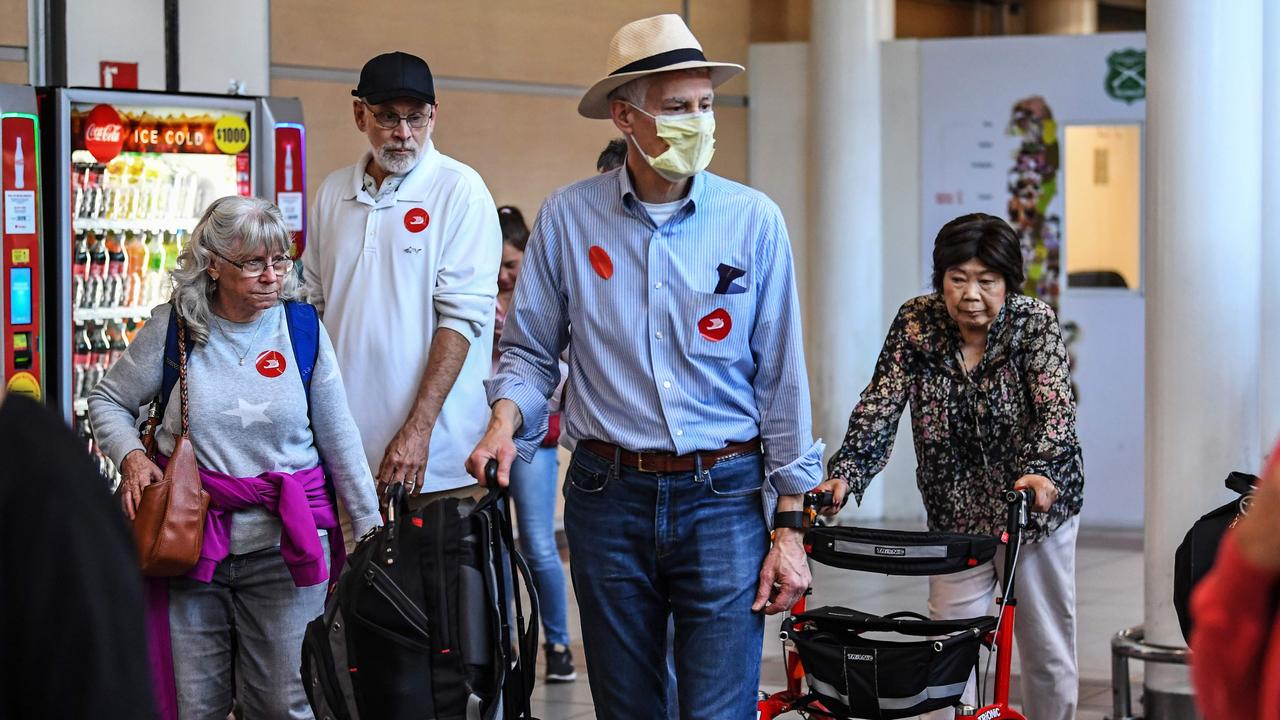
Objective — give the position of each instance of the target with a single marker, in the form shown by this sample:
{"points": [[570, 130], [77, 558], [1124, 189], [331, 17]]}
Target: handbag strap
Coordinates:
{"points": [[182, 376]]}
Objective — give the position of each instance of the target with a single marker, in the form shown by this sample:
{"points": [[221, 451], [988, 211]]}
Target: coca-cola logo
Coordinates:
{"points": [[103, 133], [106, 134]]}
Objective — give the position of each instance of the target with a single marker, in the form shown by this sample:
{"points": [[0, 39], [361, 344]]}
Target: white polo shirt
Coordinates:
{"points": [[385, 273]]}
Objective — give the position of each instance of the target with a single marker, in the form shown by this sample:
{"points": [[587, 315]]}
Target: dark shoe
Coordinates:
{"points": [[559, 664]]}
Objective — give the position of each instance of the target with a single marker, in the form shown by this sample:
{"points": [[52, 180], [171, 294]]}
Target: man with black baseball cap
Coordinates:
{"points": [[402, 261]]}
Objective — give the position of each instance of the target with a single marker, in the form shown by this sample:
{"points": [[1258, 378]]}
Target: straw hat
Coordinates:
{"points": [[644, 47]]}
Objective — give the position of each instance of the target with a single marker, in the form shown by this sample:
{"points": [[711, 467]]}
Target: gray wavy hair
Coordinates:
{"points": [[233, 226]]}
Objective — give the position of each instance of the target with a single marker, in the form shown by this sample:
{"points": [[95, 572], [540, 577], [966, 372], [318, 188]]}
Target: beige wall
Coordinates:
{"points": [[13, 72], [13, 27], [525, 144]]}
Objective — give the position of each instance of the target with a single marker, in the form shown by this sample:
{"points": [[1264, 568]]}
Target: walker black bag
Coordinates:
{"points": [[1194, 557], [857, 668], [419, 624], [898, 552]]}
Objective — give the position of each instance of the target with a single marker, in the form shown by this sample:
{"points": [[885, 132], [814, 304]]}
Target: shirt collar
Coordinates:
{"points": [[627, 192]]}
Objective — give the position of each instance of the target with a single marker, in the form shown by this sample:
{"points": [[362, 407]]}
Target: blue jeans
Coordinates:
{"points": [[240, 636], [533, 488], [644, 546]]}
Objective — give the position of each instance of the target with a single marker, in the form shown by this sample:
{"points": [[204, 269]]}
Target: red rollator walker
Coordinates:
{"points": [[844, 664]]}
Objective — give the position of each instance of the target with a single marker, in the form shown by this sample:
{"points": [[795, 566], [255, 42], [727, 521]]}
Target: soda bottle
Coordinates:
{"points": [[136, 251], [80, 359], [116, 341], [172, 246], [79, 271], [19, 165], [101, 352], [96, 273], [117, 270], [154, 284]]}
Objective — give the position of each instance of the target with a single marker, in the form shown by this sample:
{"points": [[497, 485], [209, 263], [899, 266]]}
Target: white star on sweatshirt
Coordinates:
{"points": [[250, 413]]}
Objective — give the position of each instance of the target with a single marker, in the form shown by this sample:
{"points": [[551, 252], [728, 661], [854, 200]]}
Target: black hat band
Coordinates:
{"points": [[661, 60]]}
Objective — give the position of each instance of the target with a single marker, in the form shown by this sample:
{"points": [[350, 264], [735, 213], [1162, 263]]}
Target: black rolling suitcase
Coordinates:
{"points": [[419, 624]]}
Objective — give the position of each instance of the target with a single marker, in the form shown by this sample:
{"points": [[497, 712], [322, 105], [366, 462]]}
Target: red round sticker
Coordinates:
{"points": [[103, 133], [715, 326], [270, 364], [600, 262], [416, 220]]}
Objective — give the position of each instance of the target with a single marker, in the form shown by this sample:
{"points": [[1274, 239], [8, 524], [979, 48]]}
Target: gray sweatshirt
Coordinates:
{"points": [[245, 419]]}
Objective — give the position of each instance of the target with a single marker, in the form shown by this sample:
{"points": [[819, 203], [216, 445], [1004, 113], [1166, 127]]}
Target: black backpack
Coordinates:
{"points": [[1194, 557], [418, 625]]}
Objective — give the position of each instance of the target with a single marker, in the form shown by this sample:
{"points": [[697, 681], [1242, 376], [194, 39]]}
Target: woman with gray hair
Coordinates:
{"points": [[271, 456]]}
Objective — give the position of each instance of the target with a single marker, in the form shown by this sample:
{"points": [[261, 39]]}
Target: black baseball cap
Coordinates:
{"points": [[395, 75]]}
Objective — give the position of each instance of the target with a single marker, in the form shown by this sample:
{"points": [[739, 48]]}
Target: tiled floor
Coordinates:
{"points": [[1109, 592]]}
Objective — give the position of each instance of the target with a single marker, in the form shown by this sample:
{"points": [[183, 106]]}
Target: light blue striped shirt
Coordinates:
{"points": [[686, 337]]}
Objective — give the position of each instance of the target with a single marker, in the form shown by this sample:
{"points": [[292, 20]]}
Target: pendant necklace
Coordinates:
{"points": [[241, 355]]}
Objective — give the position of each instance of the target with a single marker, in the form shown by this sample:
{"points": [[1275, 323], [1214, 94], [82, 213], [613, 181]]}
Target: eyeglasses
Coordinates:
{"points": [[388, 120], [255, 267]]}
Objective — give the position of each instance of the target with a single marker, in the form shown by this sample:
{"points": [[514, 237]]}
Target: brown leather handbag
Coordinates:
{"points": [[168, 529]]}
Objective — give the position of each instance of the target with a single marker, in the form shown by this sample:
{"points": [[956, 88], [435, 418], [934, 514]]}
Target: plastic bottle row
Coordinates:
{"points": [[131, 269], [105, 467], [134, 187], [97, 347]]}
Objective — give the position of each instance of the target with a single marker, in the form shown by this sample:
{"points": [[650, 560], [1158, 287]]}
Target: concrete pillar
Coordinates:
{"points": [[1062, 17], [1204, 210], [846, 327], [1269, 383]]}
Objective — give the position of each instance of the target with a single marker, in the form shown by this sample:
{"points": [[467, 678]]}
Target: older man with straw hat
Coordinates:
{"points": [[686, 391]]}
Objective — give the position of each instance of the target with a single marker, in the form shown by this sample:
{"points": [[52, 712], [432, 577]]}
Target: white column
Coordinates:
{"points": [[1204, 222], [1269, 384], [846, 325]]}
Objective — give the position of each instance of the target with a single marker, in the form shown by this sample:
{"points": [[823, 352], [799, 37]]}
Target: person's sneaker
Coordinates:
{"points": [[559, 664]]}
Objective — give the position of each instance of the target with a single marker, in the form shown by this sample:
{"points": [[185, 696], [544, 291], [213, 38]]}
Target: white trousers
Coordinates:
{"points": [[1045, 627]]}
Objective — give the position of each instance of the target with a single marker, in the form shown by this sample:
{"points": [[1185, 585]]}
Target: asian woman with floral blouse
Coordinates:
{"points": [[987, 375]]}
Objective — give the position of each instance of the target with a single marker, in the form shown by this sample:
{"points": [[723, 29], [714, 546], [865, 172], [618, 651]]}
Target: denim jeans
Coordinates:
{"points": [[240, 636], [533, 488], [645, 546]]}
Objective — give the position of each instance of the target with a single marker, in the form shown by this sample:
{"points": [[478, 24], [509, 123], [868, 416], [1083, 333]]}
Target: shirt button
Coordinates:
{"points": [[666, 384], [657, 286], [658, 335], [679, 432]]}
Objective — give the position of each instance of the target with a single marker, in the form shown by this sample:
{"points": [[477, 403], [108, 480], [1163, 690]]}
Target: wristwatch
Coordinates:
{"points": [[794, 519]]}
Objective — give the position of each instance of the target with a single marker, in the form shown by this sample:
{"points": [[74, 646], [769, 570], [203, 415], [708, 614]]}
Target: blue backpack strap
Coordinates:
{"points": [[304, 335], [170, 365]]}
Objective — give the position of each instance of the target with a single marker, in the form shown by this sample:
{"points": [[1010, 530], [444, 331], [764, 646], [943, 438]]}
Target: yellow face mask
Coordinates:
{"points": [[691, 143]]}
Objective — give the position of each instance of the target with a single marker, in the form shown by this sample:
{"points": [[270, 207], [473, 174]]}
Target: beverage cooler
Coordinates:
{"points": [[126, 177]]}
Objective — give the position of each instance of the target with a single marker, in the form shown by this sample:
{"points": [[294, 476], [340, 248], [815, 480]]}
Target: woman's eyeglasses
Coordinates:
{"points": [[256, 266]]}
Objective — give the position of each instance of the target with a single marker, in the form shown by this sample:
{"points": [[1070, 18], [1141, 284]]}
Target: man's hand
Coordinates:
{"points": [[785, 574], [497, 444], [405, 459], [1046, 491], [838, 488], [138, 472], [1256, 533]]}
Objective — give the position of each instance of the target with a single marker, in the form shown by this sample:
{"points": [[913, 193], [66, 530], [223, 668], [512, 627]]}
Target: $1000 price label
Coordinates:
{"points": [[231, 135]]}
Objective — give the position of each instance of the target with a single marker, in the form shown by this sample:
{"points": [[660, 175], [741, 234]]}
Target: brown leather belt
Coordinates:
{"points": [[669, 462]]}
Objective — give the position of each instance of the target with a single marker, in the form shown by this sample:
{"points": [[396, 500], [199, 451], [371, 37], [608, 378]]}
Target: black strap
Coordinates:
{"points": [[661, 60]]}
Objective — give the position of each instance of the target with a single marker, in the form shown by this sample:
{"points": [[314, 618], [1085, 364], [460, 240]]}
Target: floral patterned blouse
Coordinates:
{"points": [[975, 432]]}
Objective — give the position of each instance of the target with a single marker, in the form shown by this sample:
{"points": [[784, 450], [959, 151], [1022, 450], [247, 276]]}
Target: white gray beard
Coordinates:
{"points": [[397, 164]]}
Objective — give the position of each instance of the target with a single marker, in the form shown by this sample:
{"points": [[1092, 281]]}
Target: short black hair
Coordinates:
{"points": [[982, 236], [613, 156], [514, 230]]}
